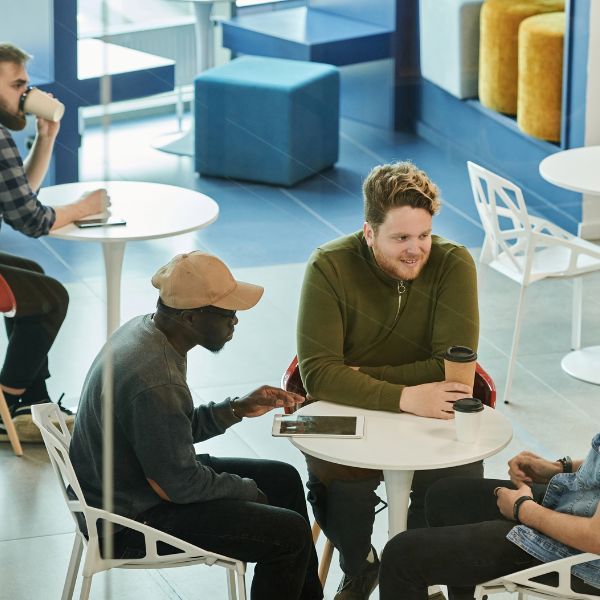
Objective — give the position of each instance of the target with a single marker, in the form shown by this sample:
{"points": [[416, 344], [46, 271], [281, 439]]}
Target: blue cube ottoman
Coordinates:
{"points": [[267, 119]]}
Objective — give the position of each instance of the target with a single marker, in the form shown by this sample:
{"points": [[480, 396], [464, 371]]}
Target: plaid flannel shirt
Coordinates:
{"points": [[19, 205]]}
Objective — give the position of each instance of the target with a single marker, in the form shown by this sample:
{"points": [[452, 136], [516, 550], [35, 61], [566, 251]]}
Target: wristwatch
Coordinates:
{"points": [[566, 463]]}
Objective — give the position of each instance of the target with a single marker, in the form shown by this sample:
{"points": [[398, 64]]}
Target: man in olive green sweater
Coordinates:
{"points": [[378, 310]]}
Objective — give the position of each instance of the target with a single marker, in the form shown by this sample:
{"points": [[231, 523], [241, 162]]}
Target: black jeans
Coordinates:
{"points": [[41, 308], [465, 545], [276, 536], [343, 501]]}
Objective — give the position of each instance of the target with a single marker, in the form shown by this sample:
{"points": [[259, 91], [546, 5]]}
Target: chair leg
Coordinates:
{"points": [[231, 591], [10, 426], [86, 586], [327, 555], [241, 585], [325, 562], [515, 345], [577, 315], [316, 531], [73, 569]]}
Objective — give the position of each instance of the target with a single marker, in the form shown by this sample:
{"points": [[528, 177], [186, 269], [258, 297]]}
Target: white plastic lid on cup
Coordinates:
{"points": [[36, 102], [467, 419]]}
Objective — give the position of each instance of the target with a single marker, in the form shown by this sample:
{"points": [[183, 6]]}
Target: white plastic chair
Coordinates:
{"points": [[57, 440], [527, 249], [521, 581]]}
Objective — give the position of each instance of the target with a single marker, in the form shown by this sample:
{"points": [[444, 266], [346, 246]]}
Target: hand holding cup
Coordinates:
{"points": [[460, 363]]}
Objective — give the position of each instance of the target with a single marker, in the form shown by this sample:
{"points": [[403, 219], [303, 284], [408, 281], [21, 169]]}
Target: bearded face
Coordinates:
{"points": [[402, 243], [13, 83], [14, 122]]}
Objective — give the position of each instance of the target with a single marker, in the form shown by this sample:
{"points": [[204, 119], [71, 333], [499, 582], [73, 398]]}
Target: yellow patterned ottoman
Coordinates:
{"points": [[498, 50], [541, 41]]}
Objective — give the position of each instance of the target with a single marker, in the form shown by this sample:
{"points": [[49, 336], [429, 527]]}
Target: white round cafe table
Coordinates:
{"points": [[578, 170], [400, 444], [151, 210]]}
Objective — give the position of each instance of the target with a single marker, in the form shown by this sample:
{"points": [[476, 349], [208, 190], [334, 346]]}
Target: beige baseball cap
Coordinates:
{"points": [[197, 279]]}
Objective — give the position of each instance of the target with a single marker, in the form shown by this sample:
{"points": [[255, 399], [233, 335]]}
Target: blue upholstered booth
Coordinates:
{"points": [[267, 119]]}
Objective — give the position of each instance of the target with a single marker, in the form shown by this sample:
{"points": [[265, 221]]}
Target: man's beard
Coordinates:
{"points": [[15, 122], [399, 270]]}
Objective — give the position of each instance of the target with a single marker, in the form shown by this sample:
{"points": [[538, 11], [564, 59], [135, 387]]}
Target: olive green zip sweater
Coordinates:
{"points": [[354, 314]]}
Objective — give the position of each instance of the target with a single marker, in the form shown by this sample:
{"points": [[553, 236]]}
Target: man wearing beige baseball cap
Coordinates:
{"points": [[249, 509]]}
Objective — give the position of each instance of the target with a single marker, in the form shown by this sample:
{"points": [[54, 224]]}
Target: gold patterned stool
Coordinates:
{"points": [[498, 49], [541, 41]]}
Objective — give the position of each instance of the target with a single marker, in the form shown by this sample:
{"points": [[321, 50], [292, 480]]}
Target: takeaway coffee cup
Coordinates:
{"points": [[459, 365], [40, 104], [467, 419]]}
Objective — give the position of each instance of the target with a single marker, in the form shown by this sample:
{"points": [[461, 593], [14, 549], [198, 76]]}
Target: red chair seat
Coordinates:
{"points": [[8, 303]]}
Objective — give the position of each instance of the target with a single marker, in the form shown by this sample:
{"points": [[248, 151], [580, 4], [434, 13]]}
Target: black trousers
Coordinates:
{"points": [[41, 308], [276, 536], [465, 545], [344, 500]]}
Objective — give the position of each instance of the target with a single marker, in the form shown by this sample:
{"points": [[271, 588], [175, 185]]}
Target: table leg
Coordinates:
{"points": [[113, 264], [183, 144], [397, 488], [204, 36]]}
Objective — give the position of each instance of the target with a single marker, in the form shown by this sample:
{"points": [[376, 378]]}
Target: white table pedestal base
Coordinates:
{"points": [[113, 265], [183, 144], [180, 143], [397, 489], [583, 364]]}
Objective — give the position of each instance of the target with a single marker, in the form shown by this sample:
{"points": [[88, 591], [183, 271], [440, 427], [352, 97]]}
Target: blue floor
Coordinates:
{"points": [[259, 225]]}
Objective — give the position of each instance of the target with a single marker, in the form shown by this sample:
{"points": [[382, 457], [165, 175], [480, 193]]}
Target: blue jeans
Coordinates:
{"points": [[276, 536], [465, 545]]}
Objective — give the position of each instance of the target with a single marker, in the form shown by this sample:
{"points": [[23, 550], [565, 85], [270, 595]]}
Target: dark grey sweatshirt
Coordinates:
{"points": [[155, 427]]}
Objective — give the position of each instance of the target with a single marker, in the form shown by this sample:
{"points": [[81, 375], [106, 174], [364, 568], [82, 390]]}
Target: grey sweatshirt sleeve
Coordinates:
{"points": [[162, 426]]}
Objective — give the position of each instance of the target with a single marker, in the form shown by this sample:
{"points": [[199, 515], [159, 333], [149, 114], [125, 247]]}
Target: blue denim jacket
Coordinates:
{"points": [[574, 494]]}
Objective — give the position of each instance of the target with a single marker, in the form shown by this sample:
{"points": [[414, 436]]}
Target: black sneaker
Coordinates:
{"points": [[27, 429], [361, 586]]}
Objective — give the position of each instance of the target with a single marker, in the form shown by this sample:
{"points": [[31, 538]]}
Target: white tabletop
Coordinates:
{"points": [[577, 169], [152, 210], [403, 441]]}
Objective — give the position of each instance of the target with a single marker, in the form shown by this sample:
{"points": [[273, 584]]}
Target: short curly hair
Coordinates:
{"points": [[13, 54], [398, 184]]}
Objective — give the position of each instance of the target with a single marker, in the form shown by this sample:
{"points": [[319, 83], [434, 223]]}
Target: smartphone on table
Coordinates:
{"points": [[103, 222]]}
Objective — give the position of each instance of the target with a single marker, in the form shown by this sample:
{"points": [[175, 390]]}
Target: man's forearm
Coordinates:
{"points": [[581, 533], [37, 162], [67, 214]]}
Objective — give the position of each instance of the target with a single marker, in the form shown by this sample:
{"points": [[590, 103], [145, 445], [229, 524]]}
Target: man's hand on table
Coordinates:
{"points": [[433, 400], [264, 399]]}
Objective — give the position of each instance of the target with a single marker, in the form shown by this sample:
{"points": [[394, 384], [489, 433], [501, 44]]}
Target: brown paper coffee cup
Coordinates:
{"points": [[459, 365], [42, 105]]}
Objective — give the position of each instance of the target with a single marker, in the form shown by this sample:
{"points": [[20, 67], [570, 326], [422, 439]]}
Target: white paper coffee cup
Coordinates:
{"points": [[468, 413], [40, 104]]}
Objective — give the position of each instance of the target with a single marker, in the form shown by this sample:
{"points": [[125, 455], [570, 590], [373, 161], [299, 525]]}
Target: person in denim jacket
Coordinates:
{"points": [[472, 536]]}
